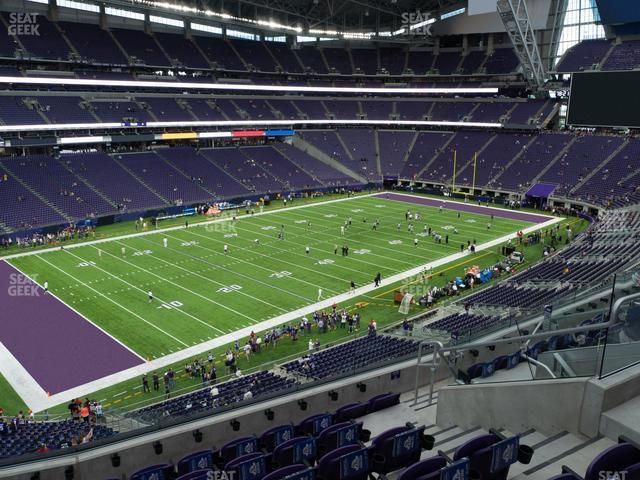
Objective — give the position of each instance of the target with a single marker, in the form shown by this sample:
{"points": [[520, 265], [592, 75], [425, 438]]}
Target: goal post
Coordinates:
{"points": [[455, 172]]}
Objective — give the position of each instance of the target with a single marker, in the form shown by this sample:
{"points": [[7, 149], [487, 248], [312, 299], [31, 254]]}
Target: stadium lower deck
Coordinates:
{"points": [[97, 316]]}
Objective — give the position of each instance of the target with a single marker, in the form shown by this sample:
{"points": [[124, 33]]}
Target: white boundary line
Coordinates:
{"points": [[36, 399]]}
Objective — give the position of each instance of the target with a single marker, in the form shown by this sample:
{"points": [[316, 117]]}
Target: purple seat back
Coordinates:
{"points": [[163, 471], [426, 469], [396, 448], [614, 459], [329, 465], [382, 401], [237, 448], [314, 424], [285, 472], [296, 450], [479, 450], [350, 411], [339, 435], [195, 461], [204, 474], [273, 437]]}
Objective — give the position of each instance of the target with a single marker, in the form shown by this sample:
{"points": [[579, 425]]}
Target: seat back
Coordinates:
{"points": [[205, 474], [163, 471], [346, 463], [614, 459], [195, 461], [396, 448], [428, 468], [350, 411], [248, 467], [292, 472], [275, 436], [339, 435], [384, 400], [237, 448], [314, 424], [297, 450], [490, 456]]}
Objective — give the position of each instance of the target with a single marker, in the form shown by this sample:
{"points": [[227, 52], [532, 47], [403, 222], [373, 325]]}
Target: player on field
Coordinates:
{"points": [[319, 294], [123, 251], [257, 242], [415, 242], [45, 287], [226, 248], [342, 230], [306, 250], [352, 287], [150, 295], [164, 242]]}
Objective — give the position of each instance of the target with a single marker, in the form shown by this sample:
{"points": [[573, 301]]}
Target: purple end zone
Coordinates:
{"points": [[466, 207], [57, 346]]}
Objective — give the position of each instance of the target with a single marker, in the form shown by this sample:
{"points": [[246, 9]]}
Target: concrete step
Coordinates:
{"points": [[622, 420]]}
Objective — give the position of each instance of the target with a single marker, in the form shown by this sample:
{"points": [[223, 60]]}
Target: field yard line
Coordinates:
{"points": [[432, 219], [420, 248], [180, 356], [112, 301], [248, 262], [328, 252], [317, 271], [20, 379], [158, 298], [227, 269], [341, 240], [178, 227], [203, 277], [365, 243]]}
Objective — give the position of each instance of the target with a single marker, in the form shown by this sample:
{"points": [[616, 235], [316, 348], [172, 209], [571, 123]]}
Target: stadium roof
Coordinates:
{"points": [[341, 15]]}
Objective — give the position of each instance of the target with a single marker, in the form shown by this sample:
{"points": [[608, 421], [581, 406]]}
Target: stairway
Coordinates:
{"points": [[301, 167], [601, 166], [180, 171], [314, 151], [42, 198], [91, 186], [558, 156], [522, 151], [121, 164], [441, 151]]}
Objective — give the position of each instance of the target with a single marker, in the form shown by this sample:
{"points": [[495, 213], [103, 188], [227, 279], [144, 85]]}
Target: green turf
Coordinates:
{"points": [[218, 294], [380, 306]]}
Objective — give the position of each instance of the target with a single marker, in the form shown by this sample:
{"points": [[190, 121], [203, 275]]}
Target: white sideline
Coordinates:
{"points": [[37, 400]]}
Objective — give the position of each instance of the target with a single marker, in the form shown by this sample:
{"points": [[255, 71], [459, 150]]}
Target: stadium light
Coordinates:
{"points": [[235, 123], [235, 425], [90, 82], [158, 448], [362, 387], [197, 436], [269, 414], [115, 460], [333, 395], [303, 405]]}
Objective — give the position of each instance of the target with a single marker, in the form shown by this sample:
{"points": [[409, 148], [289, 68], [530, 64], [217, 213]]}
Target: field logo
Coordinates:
{"points": [[21, 286], [417, 23], [23, 24]]}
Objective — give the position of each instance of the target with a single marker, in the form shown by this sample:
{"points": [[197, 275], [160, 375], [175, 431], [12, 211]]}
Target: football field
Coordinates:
{"points": [[201, 293]]}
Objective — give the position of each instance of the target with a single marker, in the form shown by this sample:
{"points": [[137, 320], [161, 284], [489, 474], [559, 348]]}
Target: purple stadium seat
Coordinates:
{"points": [[346, 463], [302, 472], [396, 448], [382, 401], [162, 471], [196, 461], [205, 474], [237, 448], [621, 457], [297, 450], [428, 469], [350, 411], [314, 424], [488, 460], [273, 437], [248, 467], [339, 435]]}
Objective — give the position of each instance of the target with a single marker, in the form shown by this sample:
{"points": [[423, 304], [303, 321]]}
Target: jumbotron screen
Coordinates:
{"points": [[605, 99]]}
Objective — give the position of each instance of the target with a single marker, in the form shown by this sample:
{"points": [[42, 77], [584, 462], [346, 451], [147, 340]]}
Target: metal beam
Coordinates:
{"points": [[515, 17]]}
